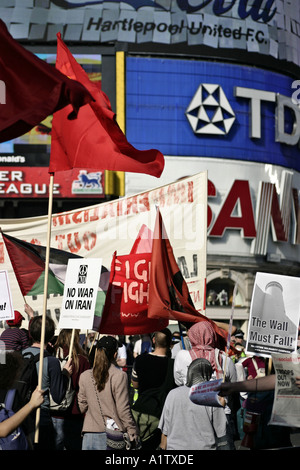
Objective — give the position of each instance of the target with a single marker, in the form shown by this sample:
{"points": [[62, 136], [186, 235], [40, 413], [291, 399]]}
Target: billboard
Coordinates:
{"points": [[212, 109], [253, 208], [264, 27]]}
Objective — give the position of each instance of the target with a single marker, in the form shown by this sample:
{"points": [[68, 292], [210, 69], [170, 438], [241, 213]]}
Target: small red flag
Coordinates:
{"points": [[94, 141], [31, 89]]}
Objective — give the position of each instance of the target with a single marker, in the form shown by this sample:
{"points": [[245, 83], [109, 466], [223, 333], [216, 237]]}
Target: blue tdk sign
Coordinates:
{"points": [[209, 109]]}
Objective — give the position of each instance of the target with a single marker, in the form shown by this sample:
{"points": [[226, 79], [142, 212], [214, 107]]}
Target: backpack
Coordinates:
{"points": [[28, 378], [69, 396], [17, 439]]}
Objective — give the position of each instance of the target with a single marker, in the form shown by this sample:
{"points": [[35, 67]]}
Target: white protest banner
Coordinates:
{"points": [[98, 231], [286, 405], [274, 315], [205, 393], [6, 306], [80, 293]]}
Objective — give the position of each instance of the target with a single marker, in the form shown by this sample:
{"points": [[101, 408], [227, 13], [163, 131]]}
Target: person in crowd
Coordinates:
{"points": [[68, 424], [53, 378], [103, 398], [176, 337], [151, 373], [188, 426], [183, 343], [122, 353], [129, 351], [238, 337], [143, 344], [10, 365], [254, 367], [204, 343], [14, 336], [262, 391]]}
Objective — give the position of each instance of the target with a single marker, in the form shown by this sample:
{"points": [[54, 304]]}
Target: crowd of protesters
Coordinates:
{"points": [[114, 393]]}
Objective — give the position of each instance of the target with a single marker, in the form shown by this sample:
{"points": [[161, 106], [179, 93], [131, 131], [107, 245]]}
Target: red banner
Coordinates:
{"points": [[126, 306]]}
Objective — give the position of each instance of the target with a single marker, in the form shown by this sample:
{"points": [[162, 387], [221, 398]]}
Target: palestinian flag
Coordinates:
{"points": [[28, 262]]}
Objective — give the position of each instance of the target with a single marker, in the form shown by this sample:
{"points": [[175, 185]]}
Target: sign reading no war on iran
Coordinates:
{"points": [[80, 293]]}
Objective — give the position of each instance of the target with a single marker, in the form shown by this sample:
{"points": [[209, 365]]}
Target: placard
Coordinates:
{"points": [[274, 315], [286, 405], [6, 306], [80, 293]]}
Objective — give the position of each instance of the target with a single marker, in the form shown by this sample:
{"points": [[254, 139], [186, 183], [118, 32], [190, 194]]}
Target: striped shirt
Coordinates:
{"points": [[15, 339]]}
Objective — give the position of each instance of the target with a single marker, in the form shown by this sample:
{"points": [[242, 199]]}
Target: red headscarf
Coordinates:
{"points": [[204, 342]]}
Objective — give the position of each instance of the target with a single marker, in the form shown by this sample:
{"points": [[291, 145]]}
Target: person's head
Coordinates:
{"points": [[202, 333], [239, 337], [10, 366], [16, 321], [35, 329], [175, 338], [63, 343], [163, 339], [106, 354], [200, 370]]}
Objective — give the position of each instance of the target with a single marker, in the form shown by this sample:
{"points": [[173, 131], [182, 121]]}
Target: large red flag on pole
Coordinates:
{"points": [[168, 291], [95, 140], [31, 89]]}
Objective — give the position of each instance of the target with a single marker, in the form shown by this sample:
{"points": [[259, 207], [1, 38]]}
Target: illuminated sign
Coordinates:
{"points": [[212, 113], [212, 109], [33, 182], [266, 27]]}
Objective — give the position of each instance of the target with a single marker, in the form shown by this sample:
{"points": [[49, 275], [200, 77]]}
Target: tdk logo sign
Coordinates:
{"points": [[210, 113]]}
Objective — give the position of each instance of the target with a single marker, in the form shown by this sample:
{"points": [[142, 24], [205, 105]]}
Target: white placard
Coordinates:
{"points": [[80, 293], [6, 306], [274, 315], [286, 405]]}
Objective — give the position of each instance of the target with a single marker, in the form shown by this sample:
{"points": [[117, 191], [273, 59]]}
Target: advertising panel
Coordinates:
{"points": [[212, 109], [266, 27], [33, 182], [253, 208]]}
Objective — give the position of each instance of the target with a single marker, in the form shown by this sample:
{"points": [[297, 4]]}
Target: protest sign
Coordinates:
{"points": [[205, 393], [80, 293], [286, 405], [6, 307], [126, 306], [274, 315]]}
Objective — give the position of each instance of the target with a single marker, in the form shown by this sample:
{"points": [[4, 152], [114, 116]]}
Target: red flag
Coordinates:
{"points": [[31, 89], [94, 141], [169, 296], [126, 303]]}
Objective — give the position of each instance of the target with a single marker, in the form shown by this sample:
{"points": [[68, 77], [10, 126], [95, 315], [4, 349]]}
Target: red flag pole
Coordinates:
{"points": [[42, 343]]}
